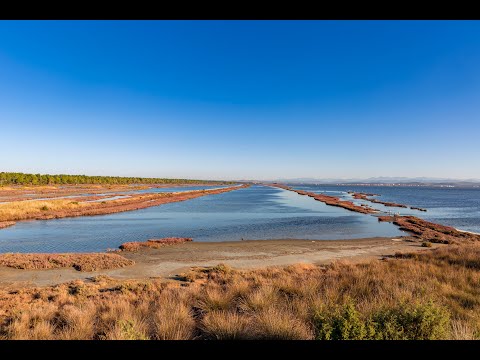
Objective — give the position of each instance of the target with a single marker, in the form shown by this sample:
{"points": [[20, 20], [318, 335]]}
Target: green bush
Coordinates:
{"points": [[403, 322], [129, 332], [44, 208], [343, 323], [411, 322]]}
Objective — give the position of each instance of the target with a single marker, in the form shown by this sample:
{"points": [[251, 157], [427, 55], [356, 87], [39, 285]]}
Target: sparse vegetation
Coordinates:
{"points": [[433, 294]]}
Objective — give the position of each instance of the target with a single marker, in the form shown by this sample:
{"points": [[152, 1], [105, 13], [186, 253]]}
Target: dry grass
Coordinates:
{"points": [[154, 243], [21, 210], [80, 262], [431, 295], [226, 325]]}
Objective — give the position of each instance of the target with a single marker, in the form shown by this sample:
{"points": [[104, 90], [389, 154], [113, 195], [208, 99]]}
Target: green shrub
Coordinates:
{"points": [[44, 208], [411, 322], [343, 323], [404, 322], [129, 332]]}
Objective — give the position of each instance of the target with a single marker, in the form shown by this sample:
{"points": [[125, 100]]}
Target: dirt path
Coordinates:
{"points": [[172, 260]]}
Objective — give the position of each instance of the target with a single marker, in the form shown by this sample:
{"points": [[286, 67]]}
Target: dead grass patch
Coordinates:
{"points": [[80, 262]]}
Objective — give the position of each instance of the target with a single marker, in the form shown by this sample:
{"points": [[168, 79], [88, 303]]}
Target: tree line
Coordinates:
{"points": [[13, 178]]}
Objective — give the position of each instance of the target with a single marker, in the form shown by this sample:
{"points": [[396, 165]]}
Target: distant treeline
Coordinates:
{"points": [[11, 178]]}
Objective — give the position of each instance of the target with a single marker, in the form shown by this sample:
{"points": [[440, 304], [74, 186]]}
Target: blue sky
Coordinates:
{"points": [[241, 99]]}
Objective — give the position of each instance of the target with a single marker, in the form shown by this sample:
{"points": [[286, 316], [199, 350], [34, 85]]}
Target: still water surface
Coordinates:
{"points": [[457, 207], [257, 212]]}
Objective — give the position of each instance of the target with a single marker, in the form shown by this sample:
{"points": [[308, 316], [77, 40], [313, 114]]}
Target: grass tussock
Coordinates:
{"points": [[430, 295], [80, 262], [154, 243]]}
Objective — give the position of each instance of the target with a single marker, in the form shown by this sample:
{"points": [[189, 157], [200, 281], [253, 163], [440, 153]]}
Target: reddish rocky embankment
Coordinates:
{"points": [[417, 208], [363, 196], [331, 200], [366, 197], [4, 224], [428, 231]]}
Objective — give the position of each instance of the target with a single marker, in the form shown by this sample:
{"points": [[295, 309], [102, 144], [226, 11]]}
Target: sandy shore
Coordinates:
{"points": [[170, 261]]}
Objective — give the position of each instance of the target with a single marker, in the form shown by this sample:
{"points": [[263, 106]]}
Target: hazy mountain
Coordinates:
{"points": [[381, 180]]}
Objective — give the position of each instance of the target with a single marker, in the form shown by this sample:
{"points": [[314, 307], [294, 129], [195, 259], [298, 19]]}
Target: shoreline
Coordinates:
{"points": [[468, 232], [170, 261]]}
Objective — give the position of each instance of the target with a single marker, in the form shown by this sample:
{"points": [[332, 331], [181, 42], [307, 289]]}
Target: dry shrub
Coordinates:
{"points": [[80, 262], [154, 243]]}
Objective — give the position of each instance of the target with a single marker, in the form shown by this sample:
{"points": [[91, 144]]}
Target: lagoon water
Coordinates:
{"points": [[257, 212], [457, 207]]}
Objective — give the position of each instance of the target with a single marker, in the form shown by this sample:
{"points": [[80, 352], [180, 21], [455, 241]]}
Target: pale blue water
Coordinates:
{"points": [[457, 207], [257, 212]]}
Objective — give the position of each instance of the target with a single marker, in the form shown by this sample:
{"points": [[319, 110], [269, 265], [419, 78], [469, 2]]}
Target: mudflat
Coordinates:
{"points": [[169, 261]]}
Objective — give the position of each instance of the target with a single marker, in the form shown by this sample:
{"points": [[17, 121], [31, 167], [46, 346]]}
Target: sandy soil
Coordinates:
{"points": [[170, 261]]}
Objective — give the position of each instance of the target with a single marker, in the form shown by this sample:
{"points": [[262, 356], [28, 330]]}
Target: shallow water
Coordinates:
{"points": [[257, 212], [457, 207]]}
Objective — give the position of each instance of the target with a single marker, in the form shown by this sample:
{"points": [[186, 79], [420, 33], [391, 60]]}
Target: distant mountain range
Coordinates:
{"points": [[383, 180]]}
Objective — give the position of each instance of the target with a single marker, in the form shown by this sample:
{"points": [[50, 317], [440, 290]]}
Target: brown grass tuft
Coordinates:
{"points": [[277, 324], [226, 325]]}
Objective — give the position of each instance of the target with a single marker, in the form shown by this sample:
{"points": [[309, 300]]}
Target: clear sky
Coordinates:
{"points": [[241, 99]]}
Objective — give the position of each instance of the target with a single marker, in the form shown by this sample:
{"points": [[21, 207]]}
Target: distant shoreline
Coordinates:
{"points": [[468, 232]]}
